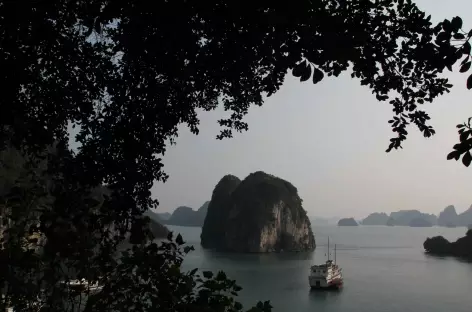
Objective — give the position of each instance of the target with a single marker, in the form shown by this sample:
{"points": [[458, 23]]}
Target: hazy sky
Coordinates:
{"points": [[329, 140]]}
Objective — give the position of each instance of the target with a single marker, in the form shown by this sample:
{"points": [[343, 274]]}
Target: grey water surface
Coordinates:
{"points": [[385, 270]]}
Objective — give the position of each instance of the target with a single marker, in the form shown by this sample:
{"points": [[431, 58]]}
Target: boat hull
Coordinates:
{"points": [[324, 285], [330, 287]]}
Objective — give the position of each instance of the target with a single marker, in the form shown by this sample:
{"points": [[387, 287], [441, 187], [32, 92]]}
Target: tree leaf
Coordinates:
{"points": [[465, 60], [456, 24], [447, 25], [179, 240], [452, 155], [466, 159], [466, 48], [465, 67], [98, 26], [298, 69], [469, 82], [442, 37], [306, 73], [207, 274], [318, 75], [464, 136]]}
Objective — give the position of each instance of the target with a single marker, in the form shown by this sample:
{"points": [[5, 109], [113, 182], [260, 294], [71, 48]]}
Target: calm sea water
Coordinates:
{"points": [[385, 270]]}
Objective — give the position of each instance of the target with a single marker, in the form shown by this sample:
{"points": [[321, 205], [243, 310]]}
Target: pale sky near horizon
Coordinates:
{"points": [[329, 140]]}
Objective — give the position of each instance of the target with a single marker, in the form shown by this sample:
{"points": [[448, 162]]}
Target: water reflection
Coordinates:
{"points": [[257, 257], [323, 295]]}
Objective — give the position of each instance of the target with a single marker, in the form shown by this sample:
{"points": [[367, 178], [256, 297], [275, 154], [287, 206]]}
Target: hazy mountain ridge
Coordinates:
{"points": [[448, 217]]}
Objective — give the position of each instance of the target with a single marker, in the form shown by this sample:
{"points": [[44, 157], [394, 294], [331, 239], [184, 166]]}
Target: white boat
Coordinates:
{"points": [[83, 286], [327, 275], [80, 287]]}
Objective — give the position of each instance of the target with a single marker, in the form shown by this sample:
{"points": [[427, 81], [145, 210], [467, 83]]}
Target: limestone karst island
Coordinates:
{"points": [[261, 213]]}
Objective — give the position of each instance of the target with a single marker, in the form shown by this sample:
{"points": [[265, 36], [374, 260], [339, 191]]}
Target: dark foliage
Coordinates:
{"points": [[127, 73]]}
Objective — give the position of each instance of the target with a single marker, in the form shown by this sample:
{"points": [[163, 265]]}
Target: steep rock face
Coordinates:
{"points": [[347, 222], [202, 212], [465, 218], [262, 214], [376, 218], [448, 217], [213, 232]]}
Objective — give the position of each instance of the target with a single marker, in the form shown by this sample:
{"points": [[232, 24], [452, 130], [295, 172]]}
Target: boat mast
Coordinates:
{"points": [[328, 248], [334, 254]]}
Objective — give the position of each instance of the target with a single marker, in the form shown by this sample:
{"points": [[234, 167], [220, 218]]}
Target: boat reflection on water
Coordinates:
{"points": [[317, 295]]}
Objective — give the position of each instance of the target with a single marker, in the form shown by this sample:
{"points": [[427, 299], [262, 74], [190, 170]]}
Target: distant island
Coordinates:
{"points": [[164, 215], [157, 229], [449, 217], [376, 218], [262, 213], [438, 245], [186, 216], [347, 222]]}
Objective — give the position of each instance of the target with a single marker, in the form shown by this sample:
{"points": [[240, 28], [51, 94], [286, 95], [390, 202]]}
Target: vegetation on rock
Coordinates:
{"points": [[438, 245]]}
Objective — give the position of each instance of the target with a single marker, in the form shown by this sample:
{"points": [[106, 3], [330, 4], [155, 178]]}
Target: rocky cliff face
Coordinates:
{"points": [[263, 213], [448, 217], [214, 228], [465, 218]]}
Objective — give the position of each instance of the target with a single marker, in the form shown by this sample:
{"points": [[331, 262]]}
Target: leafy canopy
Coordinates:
{"points": [[126, 74]]}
